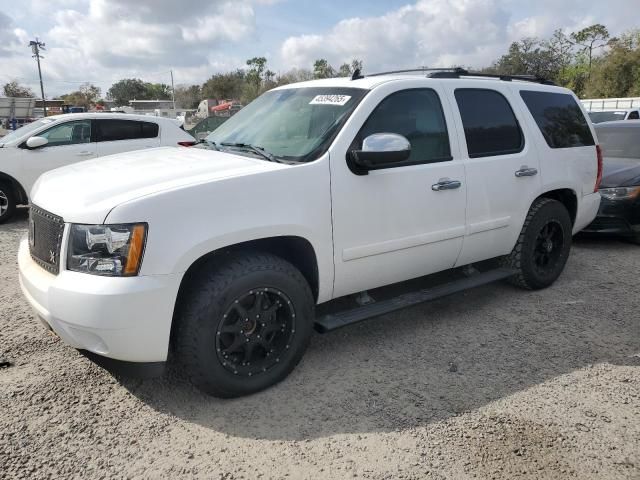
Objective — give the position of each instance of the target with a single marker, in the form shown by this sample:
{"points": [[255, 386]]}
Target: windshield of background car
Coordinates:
{"points": [[25, 130], [621, 141], [296, 124], [598, 117]]}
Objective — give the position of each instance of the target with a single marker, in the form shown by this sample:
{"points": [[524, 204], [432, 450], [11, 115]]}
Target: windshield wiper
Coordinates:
{"points": [[209, 143], [257, 150]]}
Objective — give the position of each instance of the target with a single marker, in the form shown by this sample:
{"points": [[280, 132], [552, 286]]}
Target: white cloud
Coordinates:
{"points": [[449, 32]]}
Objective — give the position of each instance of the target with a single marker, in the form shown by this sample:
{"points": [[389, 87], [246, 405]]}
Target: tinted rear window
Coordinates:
{"points": [[490, 125], [559, 118], [110, 130]]}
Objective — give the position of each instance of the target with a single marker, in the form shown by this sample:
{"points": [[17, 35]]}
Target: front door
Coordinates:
{"points": [[396, 223], [68, 143]]}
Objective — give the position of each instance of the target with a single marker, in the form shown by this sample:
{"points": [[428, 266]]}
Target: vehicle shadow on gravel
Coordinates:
{"points": [[17, 221], [430, 362]]}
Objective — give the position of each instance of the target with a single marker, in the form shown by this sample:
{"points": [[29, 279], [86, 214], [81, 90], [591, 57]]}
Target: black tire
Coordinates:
{"points": [[206, 352], [7, 202], [543, 247]]}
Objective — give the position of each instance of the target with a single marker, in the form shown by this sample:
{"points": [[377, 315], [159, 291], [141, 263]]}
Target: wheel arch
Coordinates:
{"points": [[296, 250], [18, 190], [567, 197]]}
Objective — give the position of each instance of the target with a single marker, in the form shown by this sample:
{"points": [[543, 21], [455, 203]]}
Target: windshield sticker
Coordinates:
{"points": [[339, 100]]}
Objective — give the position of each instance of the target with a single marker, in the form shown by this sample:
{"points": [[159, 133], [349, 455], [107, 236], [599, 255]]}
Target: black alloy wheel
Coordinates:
{"points": [[255, 331]]}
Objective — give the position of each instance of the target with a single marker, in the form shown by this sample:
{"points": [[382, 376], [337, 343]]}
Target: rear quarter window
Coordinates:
{"points": [[111, 130], [559, 119]]}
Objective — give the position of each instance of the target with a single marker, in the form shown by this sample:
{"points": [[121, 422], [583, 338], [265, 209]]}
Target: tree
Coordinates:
{"points": [[591, 39], [14, 89], [86, 96], [617, 72], [322, 69], [561, 48], [188, 96], [527, 57], [347, 69], [257, 66], [224, 86], [156, 91], [127, 89], [294, 75]]}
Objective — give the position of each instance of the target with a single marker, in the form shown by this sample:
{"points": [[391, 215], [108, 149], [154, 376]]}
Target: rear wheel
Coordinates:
{"points": [[7, 202], [245, 324], [543, 246]]}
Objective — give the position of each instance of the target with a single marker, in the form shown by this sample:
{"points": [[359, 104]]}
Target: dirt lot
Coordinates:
{"points": [[494, 383]]}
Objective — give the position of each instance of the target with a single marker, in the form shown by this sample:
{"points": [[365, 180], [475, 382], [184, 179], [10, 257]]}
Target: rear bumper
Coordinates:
{"points": [[126, 319], [587, 211], [619, 217]]}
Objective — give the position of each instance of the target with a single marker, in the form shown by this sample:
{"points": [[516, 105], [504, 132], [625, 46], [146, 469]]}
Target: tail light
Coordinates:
{"points": [[599, 177], [186, 144]]}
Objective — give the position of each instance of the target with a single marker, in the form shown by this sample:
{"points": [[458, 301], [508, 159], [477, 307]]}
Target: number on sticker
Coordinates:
{"points": [[330, 100]]}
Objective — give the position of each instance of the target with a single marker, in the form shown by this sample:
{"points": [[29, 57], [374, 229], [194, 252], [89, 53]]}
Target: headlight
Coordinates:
{"points": [[620, 193], [111, 250]]}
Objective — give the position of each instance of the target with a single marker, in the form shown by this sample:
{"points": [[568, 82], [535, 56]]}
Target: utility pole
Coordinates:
{"points": [[173, 93], [36, 45]]}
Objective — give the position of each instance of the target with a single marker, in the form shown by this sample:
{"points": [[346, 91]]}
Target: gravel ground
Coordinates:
{"points": [[493, 383]]}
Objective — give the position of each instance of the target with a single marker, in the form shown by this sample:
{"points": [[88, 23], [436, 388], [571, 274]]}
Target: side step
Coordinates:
{"points": [[333, 321]]}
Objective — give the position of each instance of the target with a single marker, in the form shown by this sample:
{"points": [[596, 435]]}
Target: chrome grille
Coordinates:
{"points": [[45, 238]]}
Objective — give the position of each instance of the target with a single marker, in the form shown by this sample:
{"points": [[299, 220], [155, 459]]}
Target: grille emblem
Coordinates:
{"points": [[52, 256]]}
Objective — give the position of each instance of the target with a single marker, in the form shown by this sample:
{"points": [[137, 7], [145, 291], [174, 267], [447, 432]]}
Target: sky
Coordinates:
{"points": [[102, 41]]}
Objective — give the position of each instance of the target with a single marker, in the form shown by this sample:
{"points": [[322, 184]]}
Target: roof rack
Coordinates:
{"points": [[457, 72]]}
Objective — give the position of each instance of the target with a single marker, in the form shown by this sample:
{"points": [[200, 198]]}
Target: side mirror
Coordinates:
{"points": [[381, 150], [36, 142]]}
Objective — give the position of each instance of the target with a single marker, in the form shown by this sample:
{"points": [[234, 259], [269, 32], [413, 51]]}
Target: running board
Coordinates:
{"points": [[333, 321]]}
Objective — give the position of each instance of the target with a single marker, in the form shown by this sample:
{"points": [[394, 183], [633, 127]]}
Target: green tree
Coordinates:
{"points": [[156, 91], [617, 72], [188, 96], [347, 69], [224, 86], [14, 89], [591, 39], [561, 49], [257, 66], [322, 69], [127, 89], [86, 96], [527, 57]]}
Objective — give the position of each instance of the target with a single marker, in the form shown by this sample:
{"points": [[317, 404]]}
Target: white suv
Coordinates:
{"points": [[314, 191], [60, 140]]}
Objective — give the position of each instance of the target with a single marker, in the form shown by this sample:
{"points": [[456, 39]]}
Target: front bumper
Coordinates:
{"points": [[617, 217], [127, 319]]}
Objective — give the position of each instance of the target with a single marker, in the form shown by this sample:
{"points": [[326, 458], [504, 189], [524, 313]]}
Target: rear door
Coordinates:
{"points": [[121, 135], [501, 164], [68, 143]]}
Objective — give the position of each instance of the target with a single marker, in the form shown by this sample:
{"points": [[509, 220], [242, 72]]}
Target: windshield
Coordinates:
{"points": [[296, 124], [25, 130], [598, 117]]}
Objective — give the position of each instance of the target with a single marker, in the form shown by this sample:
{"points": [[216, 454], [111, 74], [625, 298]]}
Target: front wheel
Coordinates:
{"points": [[543, 247], [244, 325], [7, 202]]}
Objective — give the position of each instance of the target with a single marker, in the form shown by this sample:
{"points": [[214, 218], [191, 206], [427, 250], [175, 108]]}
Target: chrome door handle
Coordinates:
{"points": [[526, 172], [446, 184], [84, 153]]}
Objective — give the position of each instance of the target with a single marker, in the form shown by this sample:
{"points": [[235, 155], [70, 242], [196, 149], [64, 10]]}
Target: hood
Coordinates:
{"points": [[87, 191], [620, 172]]}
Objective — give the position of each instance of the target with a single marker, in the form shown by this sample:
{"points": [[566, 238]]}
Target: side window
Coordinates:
{"points": [[111, 130], [417, 115], [69, 133], [490, 126], [634, 115], [559, 119]]}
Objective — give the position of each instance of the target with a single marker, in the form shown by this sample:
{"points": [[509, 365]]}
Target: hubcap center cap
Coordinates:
{"points": [[250, 326], [548, 246]]}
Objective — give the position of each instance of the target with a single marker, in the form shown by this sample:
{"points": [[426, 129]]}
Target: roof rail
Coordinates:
{"points": [[461, 72], [457, 72]]}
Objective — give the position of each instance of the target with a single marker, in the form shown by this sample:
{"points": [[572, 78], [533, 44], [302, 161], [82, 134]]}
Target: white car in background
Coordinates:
{"points": [[613, 115], [61, 140]]}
